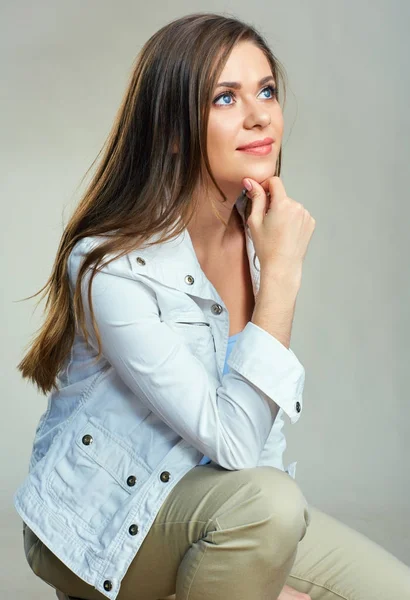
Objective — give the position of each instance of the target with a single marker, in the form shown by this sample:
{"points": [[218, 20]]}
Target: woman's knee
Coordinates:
{"points": [[281, 498], [271, 507]]}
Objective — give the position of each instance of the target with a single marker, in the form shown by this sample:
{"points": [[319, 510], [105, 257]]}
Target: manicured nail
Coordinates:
{"points": [[248, 184]]}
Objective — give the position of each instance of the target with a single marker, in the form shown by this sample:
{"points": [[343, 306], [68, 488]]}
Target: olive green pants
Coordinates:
{"points": [[241, 535]]}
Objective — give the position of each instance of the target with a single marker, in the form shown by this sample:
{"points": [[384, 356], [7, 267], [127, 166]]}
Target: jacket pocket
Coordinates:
{"points": [[195, 332], [95, 477]]}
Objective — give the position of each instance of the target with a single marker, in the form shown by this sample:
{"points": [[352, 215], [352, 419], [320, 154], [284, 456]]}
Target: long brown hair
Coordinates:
{"points": [[141, 187]]}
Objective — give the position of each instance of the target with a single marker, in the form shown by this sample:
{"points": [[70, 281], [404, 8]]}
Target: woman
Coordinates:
{"points": [[166, 347]]}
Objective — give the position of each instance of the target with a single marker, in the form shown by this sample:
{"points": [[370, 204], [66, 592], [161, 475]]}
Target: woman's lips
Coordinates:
{"points": [[258, 150]]}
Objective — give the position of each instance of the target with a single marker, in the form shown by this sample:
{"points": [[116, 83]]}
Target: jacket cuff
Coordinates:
{"points": [[291, 469], [264, 361]]}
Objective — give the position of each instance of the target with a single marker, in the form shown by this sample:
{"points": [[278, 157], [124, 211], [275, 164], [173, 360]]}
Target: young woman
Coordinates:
{"points": [[166, 347]]}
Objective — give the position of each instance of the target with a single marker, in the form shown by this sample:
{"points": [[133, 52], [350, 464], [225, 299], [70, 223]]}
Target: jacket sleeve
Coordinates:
{"points": [[229, 420], [275, 445]]}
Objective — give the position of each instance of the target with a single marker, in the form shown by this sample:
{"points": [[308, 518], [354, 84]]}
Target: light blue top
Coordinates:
{"points": [[231, 341]]}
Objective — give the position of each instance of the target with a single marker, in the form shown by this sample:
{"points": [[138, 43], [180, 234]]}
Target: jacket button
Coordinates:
{"points": [[165, 475], [140, 260], [131, 480], [133, 529], [298, 407], [107, 585], [87, 439], [189, 279], [216, 309]]}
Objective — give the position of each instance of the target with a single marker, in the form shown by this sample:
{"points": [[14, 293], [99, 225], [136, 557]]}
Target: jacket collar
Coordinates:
{"points": [[175, 264]]}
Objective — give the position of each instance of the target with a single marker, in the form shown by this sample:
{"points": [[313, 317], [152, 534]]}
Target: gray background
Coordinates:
{"points": [[64, 69]]}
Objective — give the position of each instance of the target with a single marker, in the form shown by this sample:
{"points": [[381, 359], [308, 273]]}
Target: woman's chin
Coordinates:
{"points": [[259, 175]]}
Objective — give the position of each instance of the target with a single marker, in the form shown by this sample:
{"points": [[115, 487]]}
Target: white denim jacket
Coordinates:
{"points": [[117, 436]]}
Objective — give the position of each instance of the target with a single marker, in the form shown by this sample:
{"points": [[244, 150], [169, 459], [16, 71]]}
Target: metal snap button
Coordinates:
{"points": [[131, 480], [216, 309], [107, 585], [87, 439], [133, 529], [165, 476], [140, 260], [189, 279], [298, 407]]}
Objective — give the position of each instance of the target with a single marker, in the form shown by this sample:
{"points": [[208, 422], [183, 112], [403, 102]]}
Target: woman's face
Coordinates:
{"points": [[240, 116]]}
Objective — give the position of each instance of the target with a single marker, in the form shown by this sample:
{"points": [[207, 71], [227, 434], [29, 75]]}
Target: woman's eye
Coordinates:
{"points": [[230, 94]]}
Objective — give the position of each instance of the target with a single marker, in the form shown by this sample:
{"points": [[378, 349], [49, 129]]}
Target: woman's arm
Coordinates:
{"points": [[229, 422]]}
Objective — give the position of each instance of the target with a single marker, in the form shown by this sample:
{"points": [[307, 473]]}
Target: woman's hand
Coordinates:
{"points": [[281, 228], [289, 593]]}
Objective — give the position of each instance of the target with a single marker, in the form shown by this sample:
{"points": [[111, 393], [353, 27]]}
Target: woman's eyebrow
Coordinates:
{"points": [[237, 86]]}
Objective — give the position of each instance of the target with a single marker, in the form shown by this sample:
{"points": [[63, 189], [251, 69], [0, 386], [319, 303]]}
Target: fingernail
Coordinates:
{"points": [[248, 184]]}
